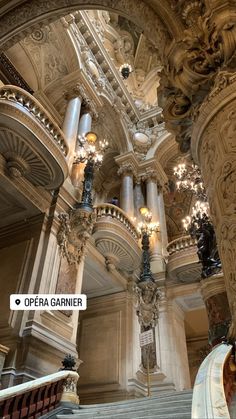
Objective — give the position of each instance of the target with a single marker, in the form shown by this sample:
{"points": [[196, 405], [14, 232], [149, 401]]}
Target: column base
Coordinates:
{"points": [[158, 384]]}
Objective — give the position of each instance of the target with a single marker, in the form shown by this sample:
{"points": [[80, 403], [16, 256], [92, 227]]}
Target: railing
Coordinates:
{"points": [[109, 210], [36, 398], [209, 398], [184, 242], [31, 104]]}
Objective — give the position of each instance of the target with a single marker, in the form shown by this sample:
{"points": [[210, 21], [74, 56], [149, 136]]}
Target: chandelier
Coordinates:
{"points": [[87, 150], [125, 70], [189, 180], [198, 216], [91, 153], [146, 226]]}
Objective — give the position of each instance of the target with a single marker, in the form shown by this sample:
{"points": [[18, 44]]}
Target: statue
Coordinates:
{"points": [[203, 230]]}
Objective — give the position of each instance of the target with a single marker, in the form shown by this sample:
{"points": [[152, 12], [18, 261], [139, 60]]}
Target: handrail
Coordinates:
{"points": [[181, 243], [33, 106], [209, 399], [110, 210], [39, 396], [31, 385]]}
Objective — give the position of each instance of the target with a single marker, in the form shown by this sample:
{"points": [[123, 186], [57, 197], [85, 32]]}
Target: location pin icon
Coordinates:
{"points": [[17, 301]]}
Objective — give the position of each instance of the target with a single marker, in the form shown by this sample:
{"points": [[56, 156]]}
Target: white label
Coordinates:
{"points": [[146, 338], [48, 302]]}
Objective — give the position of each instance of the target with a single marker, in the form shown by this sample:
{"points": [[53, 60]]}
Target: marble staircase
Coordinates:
{"points": [[176, 405]]}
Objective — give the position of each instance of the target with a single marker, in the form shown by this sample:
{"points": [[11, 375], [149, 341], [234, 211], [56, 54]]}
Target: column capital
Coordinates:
{"points": [[79, 91], [127, 163], [75, 91], [151, 175], [137, 179], [88, 106], [152, 169], [126, 169]]}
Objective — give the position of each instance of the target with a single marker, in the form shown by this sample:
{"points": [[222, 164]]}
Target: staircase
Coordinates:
{"points": [[175, 405]]}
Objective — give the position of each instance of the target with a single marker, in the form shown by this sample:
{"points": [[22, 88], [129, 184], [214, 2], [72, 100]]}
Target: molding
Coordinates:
{"points": [[9, 72]]}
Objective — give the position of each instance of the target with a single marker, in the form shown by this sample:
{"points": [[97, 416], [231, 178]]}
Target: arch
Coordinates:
{"points": [[17, 21]]}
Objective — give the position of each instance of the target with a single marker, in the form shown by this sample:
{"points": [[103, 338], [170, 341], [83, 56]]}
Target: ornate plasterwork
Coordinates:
{"points": [[116, 238], [147, 303], [208, 45], [30, 12], [11, 74], [213, 145], [42, 47], [126, 169], [34, 147], [75, 230], [69, 392], [21, 160]]}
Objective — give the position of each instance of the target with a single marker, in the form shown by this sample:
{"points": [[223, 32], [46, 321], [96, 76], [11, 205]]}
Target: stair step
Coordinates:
{"points": [[155, 416], [171, 405], [163, 405], [184, 395]]}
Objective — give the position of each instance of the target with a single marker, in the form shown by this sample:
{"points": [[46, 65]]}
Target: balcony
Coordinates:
{"points": [[31, 143], [116, 238], [183, 262]]}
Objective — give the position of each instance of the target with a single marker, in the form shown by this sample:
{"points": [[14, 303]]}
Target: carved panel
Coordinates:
{"points": [[99, 333], [214, 141], [66, 281], [43, 47]]}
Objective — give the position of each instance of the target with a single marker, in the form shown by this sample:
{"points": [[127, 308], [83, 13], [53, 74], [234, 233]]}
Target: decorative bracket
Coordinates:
{"points": [[76, 228]]}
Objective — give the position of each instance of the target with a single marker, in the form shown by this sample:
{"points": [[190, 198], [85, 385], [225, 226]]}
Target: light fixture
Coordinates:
{"points": [[91, 137], [200, 211], [88, 149], [125, 70], [189, 180], [91, 153], [146, 226]]}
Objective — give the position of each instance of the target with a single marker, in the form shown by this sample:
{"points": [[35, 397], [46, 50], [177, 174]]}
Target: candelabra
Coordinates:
{"points": [[147, 295], [200, 211], [189, 180], [199, 225], [125, 70], [146, 228], [91, 154]]}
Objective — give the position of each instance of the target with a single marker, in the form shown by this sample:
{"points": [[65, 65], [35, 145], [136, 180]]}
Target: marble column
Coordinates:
{"points": [[77, 173], [162, 220], [138, 198], [127, 192], [214, 150], [85, 123], [155, 240], [170, 333], [70, 125], [217, 307]]}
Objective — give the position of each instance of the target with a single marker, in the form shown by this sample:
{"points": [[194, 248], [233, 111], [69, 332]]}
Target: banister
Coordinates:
{"points": [[36, 398], [181, 243], [209, 400], [31, 385], [33, 106], [113, 211]]}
